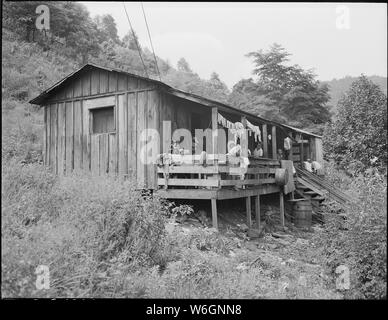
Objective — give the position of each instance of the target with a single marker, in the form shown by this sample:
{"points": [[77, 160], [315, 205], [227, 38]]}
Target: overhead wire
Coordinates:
{"points": [[137, 44], [149, 36]]}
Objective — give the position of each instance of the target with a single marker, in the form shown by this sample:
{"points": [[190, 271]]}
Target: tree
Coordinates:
{"points": [[129, 41], [216, 89], [184, 66], [358, 138], [291, 91], [107, 28]]}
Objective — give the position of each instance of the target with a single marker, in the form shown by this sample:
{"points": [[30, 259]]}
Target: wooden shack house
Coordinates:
{"points": [[93, 119]]}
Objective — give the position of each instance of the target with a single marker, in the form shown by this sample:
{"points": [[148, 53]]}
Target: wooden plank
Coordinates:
{"points": [[223, 194], [86, 84], [54, 134], [100, 102], [48, 135], [122, 82], [69, 91], [312, 149], [95, 81], [215, 130], [214, 213], [141, 125], [189, 182], [265, 141], [77, 136], [132, 134], [85, 136], [249, 170], [122, 134], [95, 154], [103, 81], [190, 169], [246, 182], [132, 83], [153, 146], [78, 87], [183, 194], [61, 138], [249, 211], [257, 211], [273, 139], [112, 154], [69, 137], [301, 151], [112, 79], [104, 154], [264, 161]]}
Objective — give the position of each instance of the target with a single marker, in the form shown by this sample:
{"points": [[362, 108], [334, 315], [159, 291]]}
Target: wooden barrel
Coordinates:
{"points": [[302, 212]]}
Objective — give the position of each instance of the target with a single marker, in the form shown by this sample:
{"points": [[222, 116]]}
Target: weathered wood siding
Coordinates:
{"points": [[139, 111]]}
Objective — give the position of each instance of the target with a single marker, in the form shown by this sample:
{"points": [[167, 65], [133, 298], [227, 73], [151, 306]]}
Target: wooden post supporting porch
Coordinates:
{"points": [[214, 213], [265, 141], [249, 211], [215, 153], [273, 139], [257, 211], [281, 205]]}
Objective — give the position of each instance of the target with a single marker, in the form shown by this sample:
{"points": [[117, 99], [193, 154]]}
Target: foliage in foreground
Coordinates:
{"points": [[78, 226], [360, 240], [101, 238]]}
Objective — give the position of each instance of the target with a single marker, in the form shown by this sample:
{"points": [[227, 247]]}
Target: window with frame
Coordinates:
{"points": [[103, 120]]}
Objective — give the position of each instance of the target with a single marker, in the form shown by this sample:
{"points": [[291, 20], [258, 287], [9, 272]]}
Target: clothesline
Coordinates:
{"points": [[237, 128]]}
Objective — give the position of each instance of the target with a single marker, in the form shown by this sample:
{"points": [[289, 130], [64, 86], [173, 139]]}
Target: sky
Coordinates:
{"points": [[335, 40]]}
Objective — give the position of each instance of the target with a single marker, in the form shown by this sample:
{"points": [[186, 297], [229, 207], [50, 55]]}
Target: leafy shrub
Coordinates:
{"points": [[359, 241], [359, 135]]}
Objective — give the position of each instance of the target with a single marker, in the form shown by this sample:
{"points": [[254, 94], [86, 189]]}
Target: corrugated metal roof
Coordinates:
{"points": [[39, 100]]}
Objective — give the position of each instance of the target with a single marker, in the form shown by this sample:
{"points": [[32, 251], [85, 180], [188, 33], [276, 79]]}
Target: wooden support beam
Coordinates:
{"points": [[301, 152], [257, 211], [291, 152], [215, 131], [312, 149], [249, 211], [281, 204], [214, 213], [265, 141], [273, 139]]}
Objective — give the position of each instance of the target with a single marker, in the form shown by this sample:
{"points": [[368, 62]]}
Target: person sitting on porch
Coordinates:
{"points": [[258, 152]]}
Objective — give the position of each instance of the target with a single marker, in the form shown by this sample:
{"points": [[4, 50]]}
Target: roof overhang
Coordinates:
{"points": [[40, 100]]}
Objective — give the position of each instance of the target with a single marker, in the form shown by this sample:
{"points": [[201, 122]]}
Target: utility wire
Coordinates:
{"points": [[152, 46], [135, 39]]}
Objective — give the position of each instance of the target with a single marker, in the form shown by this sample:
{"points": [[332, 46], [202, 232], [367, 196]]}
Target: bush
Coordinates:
{"points": [[80, 226], [357, 140], [359, 240]]}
